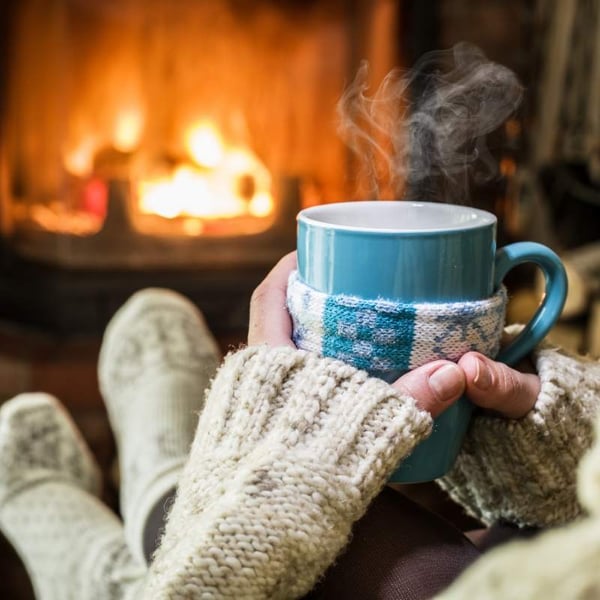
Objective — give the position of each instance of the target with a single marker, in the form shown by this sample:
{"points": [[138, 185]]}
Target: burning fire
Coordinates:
{"points": [[205, 145], [213, 188], [217, 182], [128, 129]]}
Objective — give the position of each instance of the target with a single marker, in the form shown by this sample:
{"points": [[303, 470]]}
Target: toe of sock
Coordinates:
{"points": [[155, 331], [142, 301], [39, 440]]}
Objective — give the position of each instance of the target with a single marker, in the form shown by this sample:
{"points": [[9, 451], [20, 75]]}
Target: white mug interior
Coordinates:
{"points": [[397, 216]]}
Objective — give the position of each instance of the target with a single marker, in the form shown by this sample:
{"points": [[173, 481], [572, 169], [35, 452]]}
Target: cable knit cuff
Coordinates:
{"points": [[280, 393], [524, 471], [290, 450]]}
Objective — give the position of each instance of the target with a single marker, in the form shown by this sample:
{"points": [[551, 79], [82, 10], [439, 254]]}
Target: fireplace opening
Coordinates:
{"points": [[169, 143]]}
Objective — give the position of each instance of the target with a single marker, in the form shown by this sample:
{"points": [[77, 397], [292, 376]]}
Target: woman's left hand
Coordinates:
{"points": [[270, 321]]}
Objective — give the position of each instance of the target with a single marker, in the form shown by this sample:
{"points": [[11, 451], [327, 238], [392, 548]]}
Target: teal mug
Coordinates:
{"points": [[422, 252]]}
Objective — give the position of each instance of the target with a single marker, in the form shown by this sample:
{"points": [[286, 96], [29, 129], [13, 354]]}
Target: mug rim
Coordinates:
{"points": [[482, 218]]}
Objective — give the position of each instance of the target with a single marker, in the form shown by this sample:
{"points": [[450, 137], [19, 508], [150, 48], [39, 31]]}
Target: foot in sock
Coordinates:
{"points": [[157, 359], [72, 546]]}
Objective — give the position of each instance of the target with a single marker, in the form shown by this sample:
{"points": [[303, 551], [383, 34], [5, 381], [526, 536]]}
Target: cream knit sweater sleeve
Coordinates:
{"points": [[524, 471], [560, 563], [289, 451]]}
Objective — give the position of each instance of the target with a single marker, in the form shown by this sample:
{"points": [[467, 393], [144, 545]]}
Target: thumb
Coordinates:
{"points": [[495, 386], [435, 386]]}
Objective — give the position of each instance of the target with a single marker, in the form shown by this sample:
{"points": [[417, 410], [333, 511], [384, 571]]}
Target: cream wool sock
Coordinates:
{"points": [[72, 546], [156, 360], [289, 451]]}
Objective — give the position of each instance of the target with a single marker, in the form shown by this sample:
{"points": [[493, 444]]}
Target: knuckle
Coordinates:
{"points": [[259, 294], [510, 385]]}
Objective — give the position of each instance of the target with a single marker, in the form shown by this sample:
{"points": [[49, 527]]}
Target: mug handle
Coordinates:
{"points": [[552, 303]]}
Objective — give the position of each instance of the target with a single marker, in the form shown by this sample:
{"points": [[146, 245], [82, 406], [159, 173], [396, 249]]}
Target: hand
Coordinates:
{"points": [[270, 321], [496, 387], [490, 385], [435, 386]]}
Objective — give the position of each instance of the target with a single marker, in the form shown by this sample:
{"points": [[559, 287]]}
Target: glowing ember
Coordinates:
{"points": [[221, 182], [204, 145], [128, 129], [261, 205], [195, 194], [188, 192], [54, 217], [80, 160]]}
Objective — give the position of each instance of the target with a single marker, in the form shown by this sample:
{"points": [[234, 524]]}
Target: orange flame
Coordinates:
{"points": [[128, 129], [219, 181]]}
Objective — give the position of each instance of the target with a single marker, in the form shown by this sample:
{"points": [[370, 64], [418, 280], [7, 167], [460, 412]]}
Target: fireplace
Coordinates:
{"points": [[169, 143]]}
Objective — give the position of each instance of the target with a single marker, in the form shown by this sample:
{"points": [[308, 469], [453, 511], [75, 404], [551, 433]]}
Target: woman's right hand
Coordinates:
{"points": [[497, 387]]}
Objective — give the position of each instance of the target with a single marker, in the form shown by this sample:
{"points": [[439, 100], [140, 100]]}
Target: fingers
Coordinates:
{"points": [[495, 386], [270, 321], [435, 386]]}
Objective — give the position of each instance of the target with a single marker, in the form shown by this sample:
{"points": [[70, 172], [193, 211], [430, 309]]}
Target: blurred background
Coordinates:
{"points": [[171, 143]]}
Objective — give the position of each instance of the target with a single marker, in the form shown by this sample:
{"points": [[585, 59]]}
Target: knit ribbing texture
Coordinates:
{"points": [[381, 335], [156, 361], [290, 449], [562, 562], [524, 471], [557, 565]]}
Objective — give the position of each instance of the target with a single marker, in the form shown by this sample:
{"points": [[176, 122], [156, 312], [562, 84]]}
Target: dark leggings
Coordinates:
{"points": [[398, 551]]}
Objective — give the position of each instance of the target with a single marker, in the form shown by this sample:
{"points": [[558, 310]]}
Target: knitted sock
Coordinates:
{"points": [[156, 360], [71, 544]]}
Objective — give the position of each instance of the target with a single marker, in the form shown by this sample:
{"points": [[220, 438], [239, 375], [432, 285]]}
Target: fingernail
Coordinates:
{"points": [[446, 382], [483, 377]]}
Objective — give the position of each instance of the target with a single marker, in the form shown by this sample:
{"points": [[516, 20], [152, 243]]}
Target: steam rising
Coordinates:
{"points": [[421, 135]]}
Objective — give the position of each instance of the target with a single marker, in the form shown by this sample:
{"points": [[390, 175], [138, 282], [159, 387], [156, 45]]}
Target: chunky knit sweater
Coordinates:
{"points": [[291, 448]]}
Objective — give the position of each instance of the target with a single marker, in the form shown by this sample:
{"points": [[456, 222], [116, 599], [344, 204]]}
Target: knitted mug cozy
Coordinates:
{"points": [[384, 335]]}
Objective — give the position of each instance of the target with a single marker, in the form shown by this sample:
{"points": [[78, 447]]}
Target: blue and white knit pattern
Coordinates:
{"points": [[384, 335]]}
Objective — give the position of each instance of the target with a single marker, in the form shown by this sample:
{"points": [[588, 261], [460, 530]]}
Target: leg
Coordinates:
{"points": [[155, 523], [500, 533], [71, 544], [156, 360], [399, 551]]}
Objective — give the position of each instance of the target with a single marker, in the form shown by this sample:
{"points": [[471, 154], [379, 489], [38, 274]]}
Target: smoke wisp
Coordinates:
{"points": [[421, 135]]}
